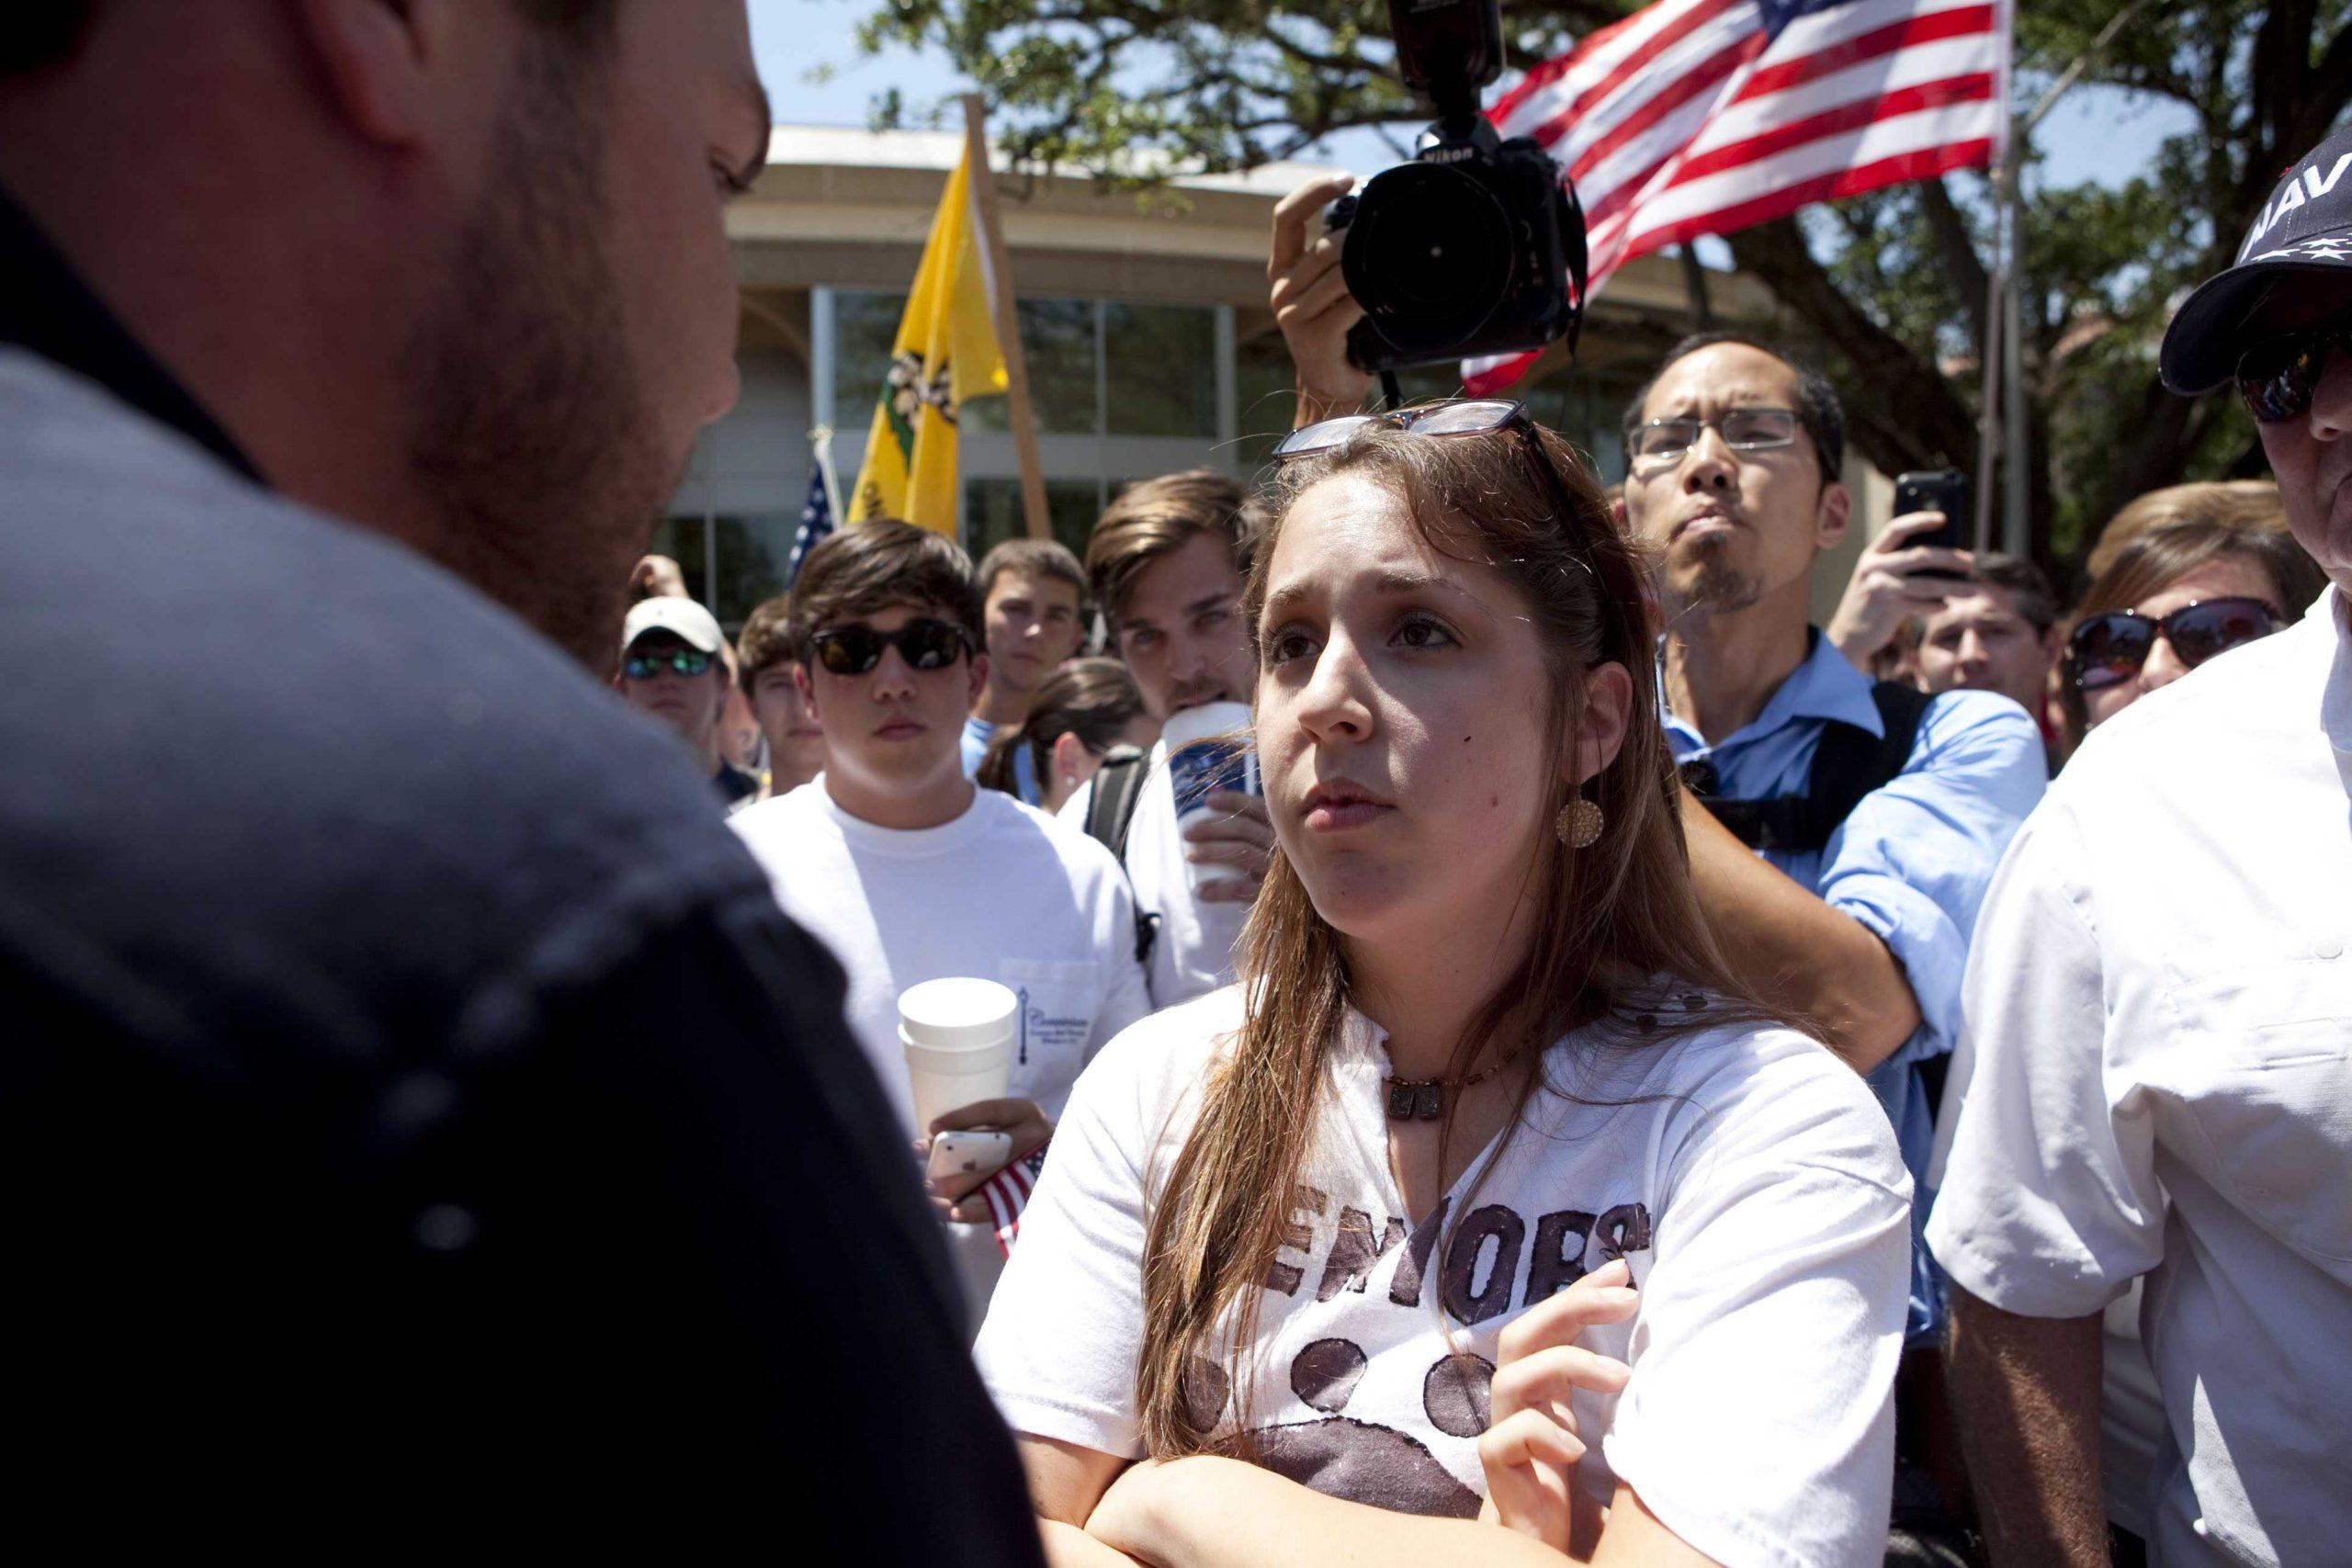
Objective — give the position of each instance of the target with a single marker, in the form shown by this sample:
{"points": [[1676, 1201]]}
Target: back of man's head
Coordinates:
{"points": [[863, 570], [392, 254], [1154, 518], [1817, 409]]}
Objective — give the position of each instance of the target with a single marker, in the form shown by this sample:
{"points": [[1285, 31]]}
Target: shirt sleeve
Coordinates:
{"points": [[1913, 860], [2050, 1204], [1128, 999], [1065, 1325], [1759, 1423]]}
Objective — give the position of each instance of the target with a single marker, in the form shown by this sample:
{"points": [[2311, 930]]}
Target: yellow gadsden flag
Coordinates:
{"points": [[946, 351]]}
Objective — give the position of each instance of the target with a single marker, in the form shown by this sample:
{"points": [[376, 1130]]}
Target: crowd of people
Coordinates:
{"points": [[1623, 1074]]}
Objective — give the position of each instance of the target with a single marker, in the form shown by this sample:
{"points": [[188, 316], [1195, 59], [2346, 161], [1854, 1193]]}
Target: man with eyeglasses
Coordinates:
{"points": [[2158, 1084], [909, 872], [672, 670]]}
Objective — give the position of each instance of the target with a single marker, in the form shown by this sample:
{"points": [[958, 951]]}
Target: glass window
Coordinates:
{"points": [[1162, 364], [993, 512], [865, 325], [686, 541], [751, 554], [1057, 336]]}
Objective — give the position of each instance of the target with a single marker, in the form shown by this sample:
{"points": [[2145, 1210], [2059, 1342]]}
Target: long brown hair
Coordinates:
{"points": [[1094, 699], [1613, 916]]}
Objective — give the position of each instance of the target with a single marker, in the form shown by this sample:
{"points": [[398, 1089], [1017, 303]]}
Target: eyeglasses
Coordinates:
{"points": [[924, 644], [2109, 649], [1468, 416], [2277, 378], [1665, 441], [678, 660]]}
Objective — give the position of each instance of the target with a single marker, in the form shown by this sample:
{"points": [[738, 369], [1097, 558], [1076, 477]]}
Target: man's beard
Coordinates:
{"points": [[1707, 580], [531, 428]]}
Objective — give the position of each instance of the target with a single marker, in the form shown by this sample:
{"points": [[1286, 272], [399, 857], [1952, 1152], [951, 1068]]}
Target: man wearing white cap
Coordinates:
{"points": [[674, 667], [2156, 1082]]}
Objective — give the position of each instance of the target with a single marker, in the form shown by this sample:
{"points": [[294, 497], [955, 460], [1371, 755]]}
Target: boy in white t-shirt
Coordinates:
{"points": [[906, 869], [1166, 560]]}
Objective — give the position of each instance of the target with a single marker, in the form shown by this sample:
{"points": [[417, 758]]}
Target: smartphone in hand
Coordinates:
{"points": [[1937, 490], [971, 1151]]}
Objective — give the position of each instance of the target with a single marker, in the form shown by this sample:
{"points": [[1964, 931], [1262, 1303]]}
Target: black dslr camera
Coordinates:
{"points": [[1468, 250]]}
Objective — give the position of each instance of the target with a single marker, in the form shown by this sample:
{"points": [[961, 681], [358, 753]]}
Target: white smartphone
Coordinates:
{"points": [[969, 1152]]}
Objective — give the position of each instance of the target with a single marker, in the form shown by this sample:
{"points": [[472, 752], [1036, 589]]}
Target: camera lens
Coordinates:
{"points": [[1429, 246]]}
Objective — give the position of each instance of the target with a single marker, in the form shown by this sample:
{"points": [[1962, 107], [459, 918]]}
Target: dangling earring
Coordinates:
{"points": [[1579, 823]]}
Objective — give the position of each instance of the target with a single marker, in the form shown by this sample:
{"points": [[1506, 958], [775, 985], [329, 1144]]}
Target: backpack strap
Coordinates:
{"points": [[1849, 763], [1110, 813]]}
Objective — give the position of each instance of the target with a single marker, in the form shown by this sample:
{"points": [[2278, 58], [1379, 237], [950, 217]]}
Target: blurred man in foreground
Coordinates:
{"points": [[420, 1114]]}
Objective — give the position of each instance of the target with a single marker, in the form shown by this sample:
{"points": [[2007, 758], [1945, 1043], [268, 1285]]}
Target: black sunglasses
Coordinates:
{"points": [[924, 644], [678, 660], [2106, 650], [2279, 378]]}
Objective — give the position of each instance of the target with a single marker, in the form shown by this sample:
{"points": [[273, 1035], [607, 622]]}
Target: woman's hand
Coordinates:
{"points": [[1531, 1447]]}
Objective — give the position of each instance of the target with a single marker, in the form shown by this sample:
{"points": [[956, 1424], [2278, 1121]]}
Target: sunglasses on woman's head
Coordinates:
{"points": [[677, 662], [1466, 416], [924, 644], [2278, 379], [2109, 649]]}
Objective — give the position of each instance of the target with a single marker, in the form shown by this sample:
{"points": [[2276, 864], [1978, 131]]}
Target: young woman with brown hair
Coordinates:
{"points": [[1299, 1245], [1077, 714]]}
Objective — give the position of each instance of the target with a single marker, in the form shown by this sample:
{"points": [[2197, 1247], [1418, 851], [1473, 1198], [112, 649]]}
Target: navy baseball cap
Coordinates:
{"points": [[2305, 229]]}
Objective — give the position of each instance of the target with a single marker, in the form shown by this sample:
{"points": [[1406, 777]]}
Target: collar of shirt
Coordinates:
{"points": [[45, 308], [1823, 689]]}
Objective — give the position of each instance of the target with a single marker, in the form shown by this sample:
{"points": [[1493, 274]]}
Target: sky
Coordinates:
{"points": [[2093, 133]]}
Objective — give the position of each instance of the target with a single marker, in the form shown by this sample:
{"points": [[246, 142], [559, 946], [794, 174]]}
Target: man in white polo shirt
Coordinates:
{"points": [[2160, 1004]]}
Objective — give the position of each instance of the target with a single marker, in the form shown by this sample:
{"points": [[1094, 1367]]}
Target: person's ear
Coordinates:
{"points": [[1608, 711], [380, 65], [1832, 515], [1617, 513], [1070, 760], [806, 687], [979, 679]]}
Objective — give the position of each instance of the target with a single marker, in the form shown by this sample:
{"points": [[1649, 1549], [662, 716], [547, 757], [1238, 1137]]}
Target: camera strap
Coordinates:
{"points": [[1849, 763]]}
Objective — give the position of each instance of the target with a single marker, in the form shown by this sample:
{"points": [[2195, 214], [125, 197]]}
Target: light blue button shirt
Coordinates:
{"points": [[1911, 861], [978, 732]]}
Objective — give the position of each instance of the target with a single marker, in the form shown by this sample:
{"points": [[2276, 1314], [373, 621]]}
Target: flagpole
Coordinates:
{"points": [[981, 177], [820, 448]]}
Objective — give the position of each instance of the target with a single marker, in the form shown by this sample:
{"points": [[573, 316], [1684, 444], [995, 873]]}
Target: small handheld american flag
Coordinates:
{"points": [[1701, 116], [1007, 1193]]}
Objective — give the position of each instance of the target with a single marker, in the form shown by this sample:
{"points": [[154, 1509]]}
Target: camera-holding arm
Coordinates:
{"points": [[1476, 246]]}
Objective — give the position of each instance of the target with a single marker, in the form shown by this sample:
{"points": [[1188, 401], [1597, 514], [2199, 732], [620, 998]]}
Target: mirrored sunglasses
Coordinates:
{"points": [[2278, 379], [1467, 416], [677, 662], [2106, 650], [924, 644]]}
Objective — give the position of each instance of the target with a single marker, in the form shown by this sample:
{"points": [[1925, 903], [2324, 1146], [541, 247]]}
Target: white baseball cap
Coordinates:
{"points": [[682, 618]]}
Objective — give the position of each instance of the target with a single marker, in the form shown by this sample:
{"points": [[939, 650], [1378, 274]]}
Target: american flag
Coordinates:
{"points": [[816, 519], [1007, 1193], [1700, 116]]}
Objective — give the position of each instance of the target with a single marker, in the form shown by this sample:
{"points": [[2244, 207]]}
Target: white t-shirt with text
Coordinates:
{"points": [[1193, 955], [1001, 892], [1752, 1183]]}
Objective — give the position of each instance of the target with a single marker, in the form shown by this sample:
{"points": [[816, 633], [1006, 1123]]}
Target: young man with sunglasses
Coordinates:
{"points": [[2157, 1081], [908, 870], [672, 670]]}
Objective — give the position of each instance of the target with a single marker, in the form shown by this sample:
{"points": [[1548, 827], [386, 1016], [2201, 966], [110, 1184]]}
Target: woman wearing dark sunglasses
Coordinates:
{"points": [[2172, 598], [1489, 1133]]}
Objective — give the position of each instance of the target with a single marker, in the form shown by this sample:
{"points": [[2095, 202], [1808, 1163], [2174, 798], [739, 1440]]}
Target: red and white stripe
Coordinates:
{"points": [[1006, 1194], [1687, 119]]}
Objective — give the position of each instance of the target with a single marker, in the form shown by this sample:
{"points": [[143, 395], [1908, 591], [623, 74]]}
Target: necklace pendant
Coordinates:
{"points": [[1416, 1100]]}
